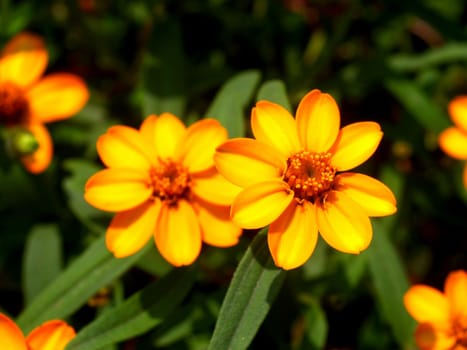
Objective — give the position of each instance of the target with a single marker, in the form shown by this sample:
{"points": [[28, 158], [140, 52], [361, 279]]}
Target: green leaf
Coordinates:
{"points": [[316, 326], [40, 269], [253, 289], [94, 269], [274, 91], [229, 104], [138, 314]]}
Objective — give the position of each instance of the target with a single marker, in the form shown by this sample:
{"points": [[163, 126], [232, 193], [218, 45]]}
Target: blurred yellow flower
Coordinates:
{"points": [[51, 335], [162, 182], [442, 317], [28, 100], [292, 179], [453, 140]]}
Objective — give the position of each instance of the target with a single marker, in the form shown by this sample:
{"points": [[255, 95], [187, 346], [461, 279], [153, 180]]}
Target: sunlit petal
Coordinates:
{"points": [[11, 336], [178, 234], [318, 121], [51, 335], [130, 230], [292, 237], [40, 159], [374, 197], [458, 111], [117, 189], [455, 288], [246, 161], [214, 188], [274, 125], [453, 141], [343, 223], [355, 144], [427, 304], [261, 204]]}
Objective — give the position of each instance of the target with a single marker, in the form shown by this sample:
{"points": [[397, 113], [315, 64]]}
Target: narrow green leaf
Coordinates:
{"points": [[253, 289], [94, 269], [316, 326], [42, 260], [274, 91], [141, 312], [229, 104]]}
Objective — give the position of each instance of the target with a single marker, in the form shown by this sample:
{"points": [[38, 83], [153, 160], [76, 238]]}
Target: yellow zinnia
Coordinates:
{"points": [[51, 335], [442, 316], [28, 100], [292, 179], [162, 182]]}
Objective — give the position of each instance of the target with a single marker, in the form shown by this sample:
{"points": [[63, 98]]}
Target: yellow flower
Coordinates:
{"points": [[453, 140], [51, 335], [442, 317], [28, 100], [162, 182], [293, 180]]}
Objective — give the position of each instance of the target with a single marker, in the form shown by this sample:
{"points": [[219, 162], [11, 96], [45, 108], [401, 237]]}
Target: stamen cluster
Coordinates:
{"points": [[13, 105], [460, 332], [170, 181]]}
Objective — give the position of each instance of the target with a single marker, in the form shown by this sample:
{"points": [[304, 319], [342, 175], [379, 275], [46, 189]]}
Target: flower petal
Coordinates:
{"points": [[455, 288], [453, 142], [245, 162], [430, 337], [217, 228], [374, 197], [274, 125], [23, 60], [318, 121], [261, 204], [123, 147], [458, 111], [178, 234], [117, 189], [11, 336], [40, 159], [292, 237], [196, 149], [427, 304], [56, 97], [130, 230], [355, 144], [51, 335], [343, 223], [214, 188]]}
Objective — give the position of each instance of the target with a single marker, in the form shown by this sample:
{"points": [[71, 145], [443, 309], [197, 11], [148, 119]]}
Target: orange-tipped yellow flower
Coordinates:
{"points": [[51, 335], [293, 180], [453, 140], [441, 317], [162, 182], [28, 100]]}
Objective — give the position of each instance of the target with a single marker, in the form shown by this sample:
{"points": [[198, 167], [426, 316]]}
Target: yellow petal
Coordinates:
{"points": [[292, 237], [217, 228], [274, 125], [178, 235], [318, 121], [196, 149], [245, 162], [23, 60], [51, 335], [430, 337], [40, 159], [453, 141], [130, 230], [118, 189], [455, 288], [355, 144], [374, 197], [214, 188], [343, 224], [123, 147], [261, 204], [427, 304], [458, 111], [56, 97], [11, 336]]}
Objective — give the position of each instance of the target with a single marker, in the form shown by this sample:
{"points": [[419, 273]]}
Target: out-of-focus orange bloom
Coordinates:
{"points": [[453, 140], [51, 335], [442, 317], [162, 182], [294, 179], [28, 100]]}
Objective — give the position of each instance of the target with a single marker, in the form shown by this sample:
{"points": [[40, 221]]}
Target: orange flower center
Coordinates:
{"points": [[170, 181], [13, 105], [309, 174], [460, 332]]}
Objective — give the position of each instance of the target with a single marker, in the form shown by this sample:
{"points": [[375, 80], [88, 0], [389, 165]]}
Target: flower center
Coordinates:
{"points": [[13, 105], [460, 332], [170, 181], [309, 174]]}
